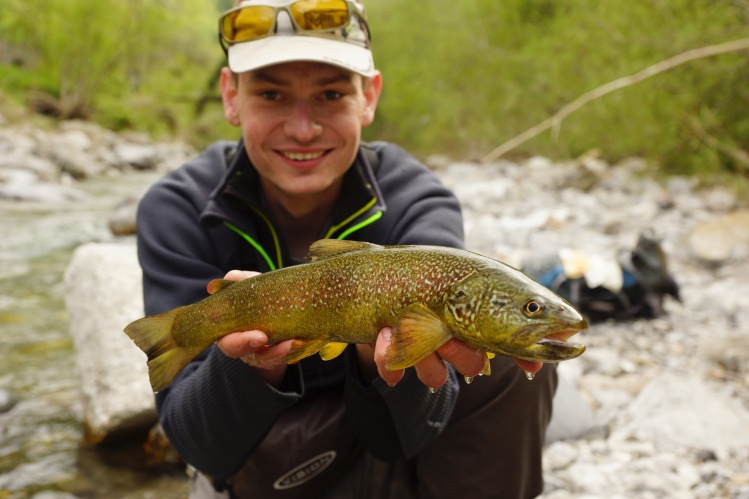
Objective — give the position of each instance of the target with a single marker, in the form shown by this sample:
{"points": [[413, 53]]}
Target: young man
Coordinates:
{"points": [[301, 84]]}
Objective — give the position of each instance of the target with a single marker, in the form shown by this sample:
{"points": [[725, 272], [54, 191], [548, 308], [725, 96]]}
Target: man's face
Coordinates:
{"points": [[301, 123]]}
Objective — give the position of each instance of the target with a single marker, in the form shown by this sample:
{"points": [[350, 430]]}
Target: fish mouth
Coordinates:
{"points": [[554, 347], [551, 346]]}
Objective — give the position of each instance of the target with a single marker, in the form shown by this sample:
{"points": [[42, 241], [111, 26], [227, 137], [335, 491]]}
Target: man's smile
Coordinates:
{"points": [[302, 156]]}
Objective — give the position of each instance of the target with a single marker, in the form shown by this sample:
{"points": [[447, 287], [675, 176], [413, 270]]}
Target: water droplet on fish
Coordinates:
{"points": [[529, 375], [469, 380], [432, 390]]}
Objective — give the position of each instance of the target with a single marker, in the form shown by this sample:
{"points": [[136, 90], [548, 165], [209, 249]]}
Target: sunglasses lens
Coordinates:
{"points": [[320, 15], [247, 23]]}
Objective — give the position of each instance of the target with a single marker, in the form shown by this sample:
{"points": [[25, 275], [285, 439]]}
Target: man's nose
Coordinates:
{"points": [[302, 124]]}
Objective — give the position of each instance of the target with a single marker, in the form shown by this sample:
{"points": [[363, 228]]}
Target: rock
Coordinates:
{"points": [[138, 156], [720, 200], [730, 350], [40, 191], [7, 400], [103, 294], [682, 411], [572, 417], [122, 218], [49, 494], [716, 241]]}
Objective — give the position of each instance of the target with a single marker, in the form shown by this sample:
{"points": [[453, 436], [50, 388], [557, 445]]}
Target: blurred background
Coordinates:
{"points": [[460, 77]]}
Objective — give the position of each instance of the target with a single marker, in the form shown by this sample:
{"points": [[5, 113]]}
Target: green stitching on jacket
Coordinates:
{"points": [[253, 243], [361, 225], [336, 227]]}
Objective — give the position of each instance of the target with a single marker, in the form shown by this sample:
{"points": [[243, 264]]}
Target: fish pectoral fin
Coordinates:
{"points": [[301, 349], [325, 248], [417, 333], [332, 350], [217, 285]]}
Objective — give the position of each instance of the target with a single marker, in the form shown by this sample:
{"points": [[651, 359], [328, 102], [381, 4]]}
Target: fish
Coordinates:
{"points": [[350, 290]]}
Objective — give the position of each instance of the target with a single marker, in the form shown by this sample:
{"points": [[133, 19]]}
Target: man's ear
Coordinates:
{"points": [[228, 84], [372, 89]]}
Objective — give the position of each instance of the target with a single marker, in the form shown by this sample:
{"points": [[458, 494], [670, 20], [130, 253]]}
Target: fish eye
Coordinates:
{"points": [[534, 307]]}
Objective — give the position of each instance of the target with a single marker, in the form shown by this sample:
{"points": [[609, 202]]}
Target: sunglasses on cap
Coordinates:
{"points": [[314, 17]]}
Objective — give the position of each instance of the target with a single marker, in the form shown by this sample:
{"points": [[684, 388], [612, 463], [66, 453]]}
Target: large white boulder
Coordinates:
{"points": [[103, 294]]}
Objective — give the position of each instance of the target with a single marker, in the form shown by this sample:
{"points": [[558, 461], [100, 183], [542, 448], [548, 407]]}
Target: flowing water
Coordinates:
{"points": [[42, 449]]}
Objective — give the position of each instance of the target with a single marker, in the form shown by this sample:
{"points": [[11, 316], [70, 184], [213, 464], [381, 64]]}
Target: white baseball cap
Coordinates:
{"points": [[259, 33]]}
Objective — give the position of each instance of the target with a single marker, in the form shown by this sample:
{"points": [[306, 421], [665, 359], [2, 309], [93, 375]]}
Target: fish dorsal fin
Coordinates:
{"points": [[325, 248], [217, 285], [417, 333]]}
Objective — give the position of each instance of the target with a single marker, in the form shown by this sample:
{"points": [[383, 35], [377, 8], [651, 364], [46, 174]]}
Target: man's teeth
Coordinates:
{"points": [[298, 156]]}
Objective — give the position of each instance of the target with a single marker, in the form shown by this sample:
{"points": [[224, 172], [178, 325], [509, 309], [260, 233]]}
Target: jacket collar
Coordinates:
{"points": [[239, 189]]}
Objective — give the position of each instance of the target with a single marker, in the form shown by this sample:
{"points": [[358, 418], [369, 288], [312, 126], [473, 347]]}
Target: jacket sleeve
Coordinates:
{"points": [[398, 422], [217, 410]]}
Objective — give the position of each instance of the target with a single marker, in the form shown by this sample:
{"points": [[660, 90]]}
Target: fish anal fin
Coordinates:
{"points": [[332, 350], [217, 285], [418, 332], [301, 349], [325, 248]]}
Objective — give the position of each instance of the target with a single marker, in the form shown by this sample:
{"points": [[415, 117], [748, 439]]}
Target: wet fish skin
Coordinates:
{"points": [[351, 290]]}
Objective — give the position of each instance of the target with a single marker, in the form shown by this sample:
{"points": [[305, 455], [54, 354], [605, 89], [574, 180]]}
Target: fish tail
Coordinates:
{"points": [[166, 359]]}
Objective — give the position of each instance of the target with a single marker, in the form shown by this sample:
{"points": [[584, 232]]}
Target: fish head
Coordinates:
{"points": [[508, 313]]}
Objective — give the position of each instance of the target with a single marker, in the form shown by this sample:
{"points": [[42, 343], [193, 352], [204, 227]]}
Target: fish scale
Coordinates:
{"points": [[351, 290]]}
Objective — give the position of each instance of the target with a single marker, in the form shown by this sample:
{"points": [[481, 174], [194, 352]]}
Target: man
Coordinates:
{"points": [[301, 84]]}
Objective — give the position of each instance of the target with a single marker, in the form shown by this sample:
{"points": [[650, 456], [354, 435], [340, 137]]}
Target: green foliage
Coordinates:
{"points": [[461, 77], [464, 77], [121, 60]]}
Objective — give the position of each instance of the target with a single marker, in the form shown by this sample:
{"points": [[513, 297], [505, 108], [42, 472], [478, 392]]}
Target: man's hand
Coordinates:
{"points": [[252, 346], [431, 370]]}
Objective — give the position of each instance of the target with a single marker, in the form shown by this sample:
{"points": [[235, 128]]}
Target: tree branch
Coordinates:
{"points": [[554, 121]]}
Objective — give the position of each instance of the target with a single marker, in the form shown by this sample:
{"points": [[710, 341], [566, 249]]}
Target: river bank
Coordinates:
{"points": [[669, 397]]}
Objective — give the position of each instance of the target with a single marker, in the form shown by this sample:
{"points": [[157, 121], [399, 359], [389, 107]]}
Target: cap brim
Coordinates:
{"points": [[278, 49]]}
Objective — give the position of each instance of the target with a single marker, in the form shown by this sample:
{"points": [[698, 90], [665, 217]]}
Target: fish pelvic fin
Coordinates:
{"points": [[332, 350], [418, 332], [487, 370], [301, 349], [325, 248], [166, 359]]}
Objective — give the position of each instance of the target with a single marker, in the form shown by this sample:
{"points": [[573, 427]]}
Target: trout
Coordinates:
{"points": [[350, 290]]}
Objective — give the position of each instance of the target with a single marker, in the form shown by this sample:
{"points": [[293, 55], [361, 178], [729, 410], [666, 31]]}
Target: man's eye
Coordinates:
{"points": [[270, 95], [332, 95]]}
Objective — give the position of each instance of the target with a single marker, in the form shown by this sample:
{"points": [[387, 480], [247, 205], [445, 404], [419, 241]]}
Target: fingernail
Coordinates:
{"points": [[255, 344], [387, 335]]}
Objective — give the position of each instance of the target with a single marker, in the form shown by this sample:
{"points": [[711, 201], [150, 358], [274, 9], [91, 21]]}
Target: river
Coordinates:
{"points": [[42, 450]]}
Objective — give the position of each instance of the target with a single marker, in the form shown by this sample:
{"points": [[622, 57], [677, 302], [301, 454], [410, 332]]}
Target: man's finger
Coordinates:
{"points": [[432, 371], [239, 275], [381, 346], [238, 345], [467, 360]]}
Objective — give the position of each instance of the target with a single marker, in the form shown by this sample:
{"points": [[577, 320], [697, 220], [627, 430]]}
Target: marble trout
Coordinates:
{"points": [[350, 290]]}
